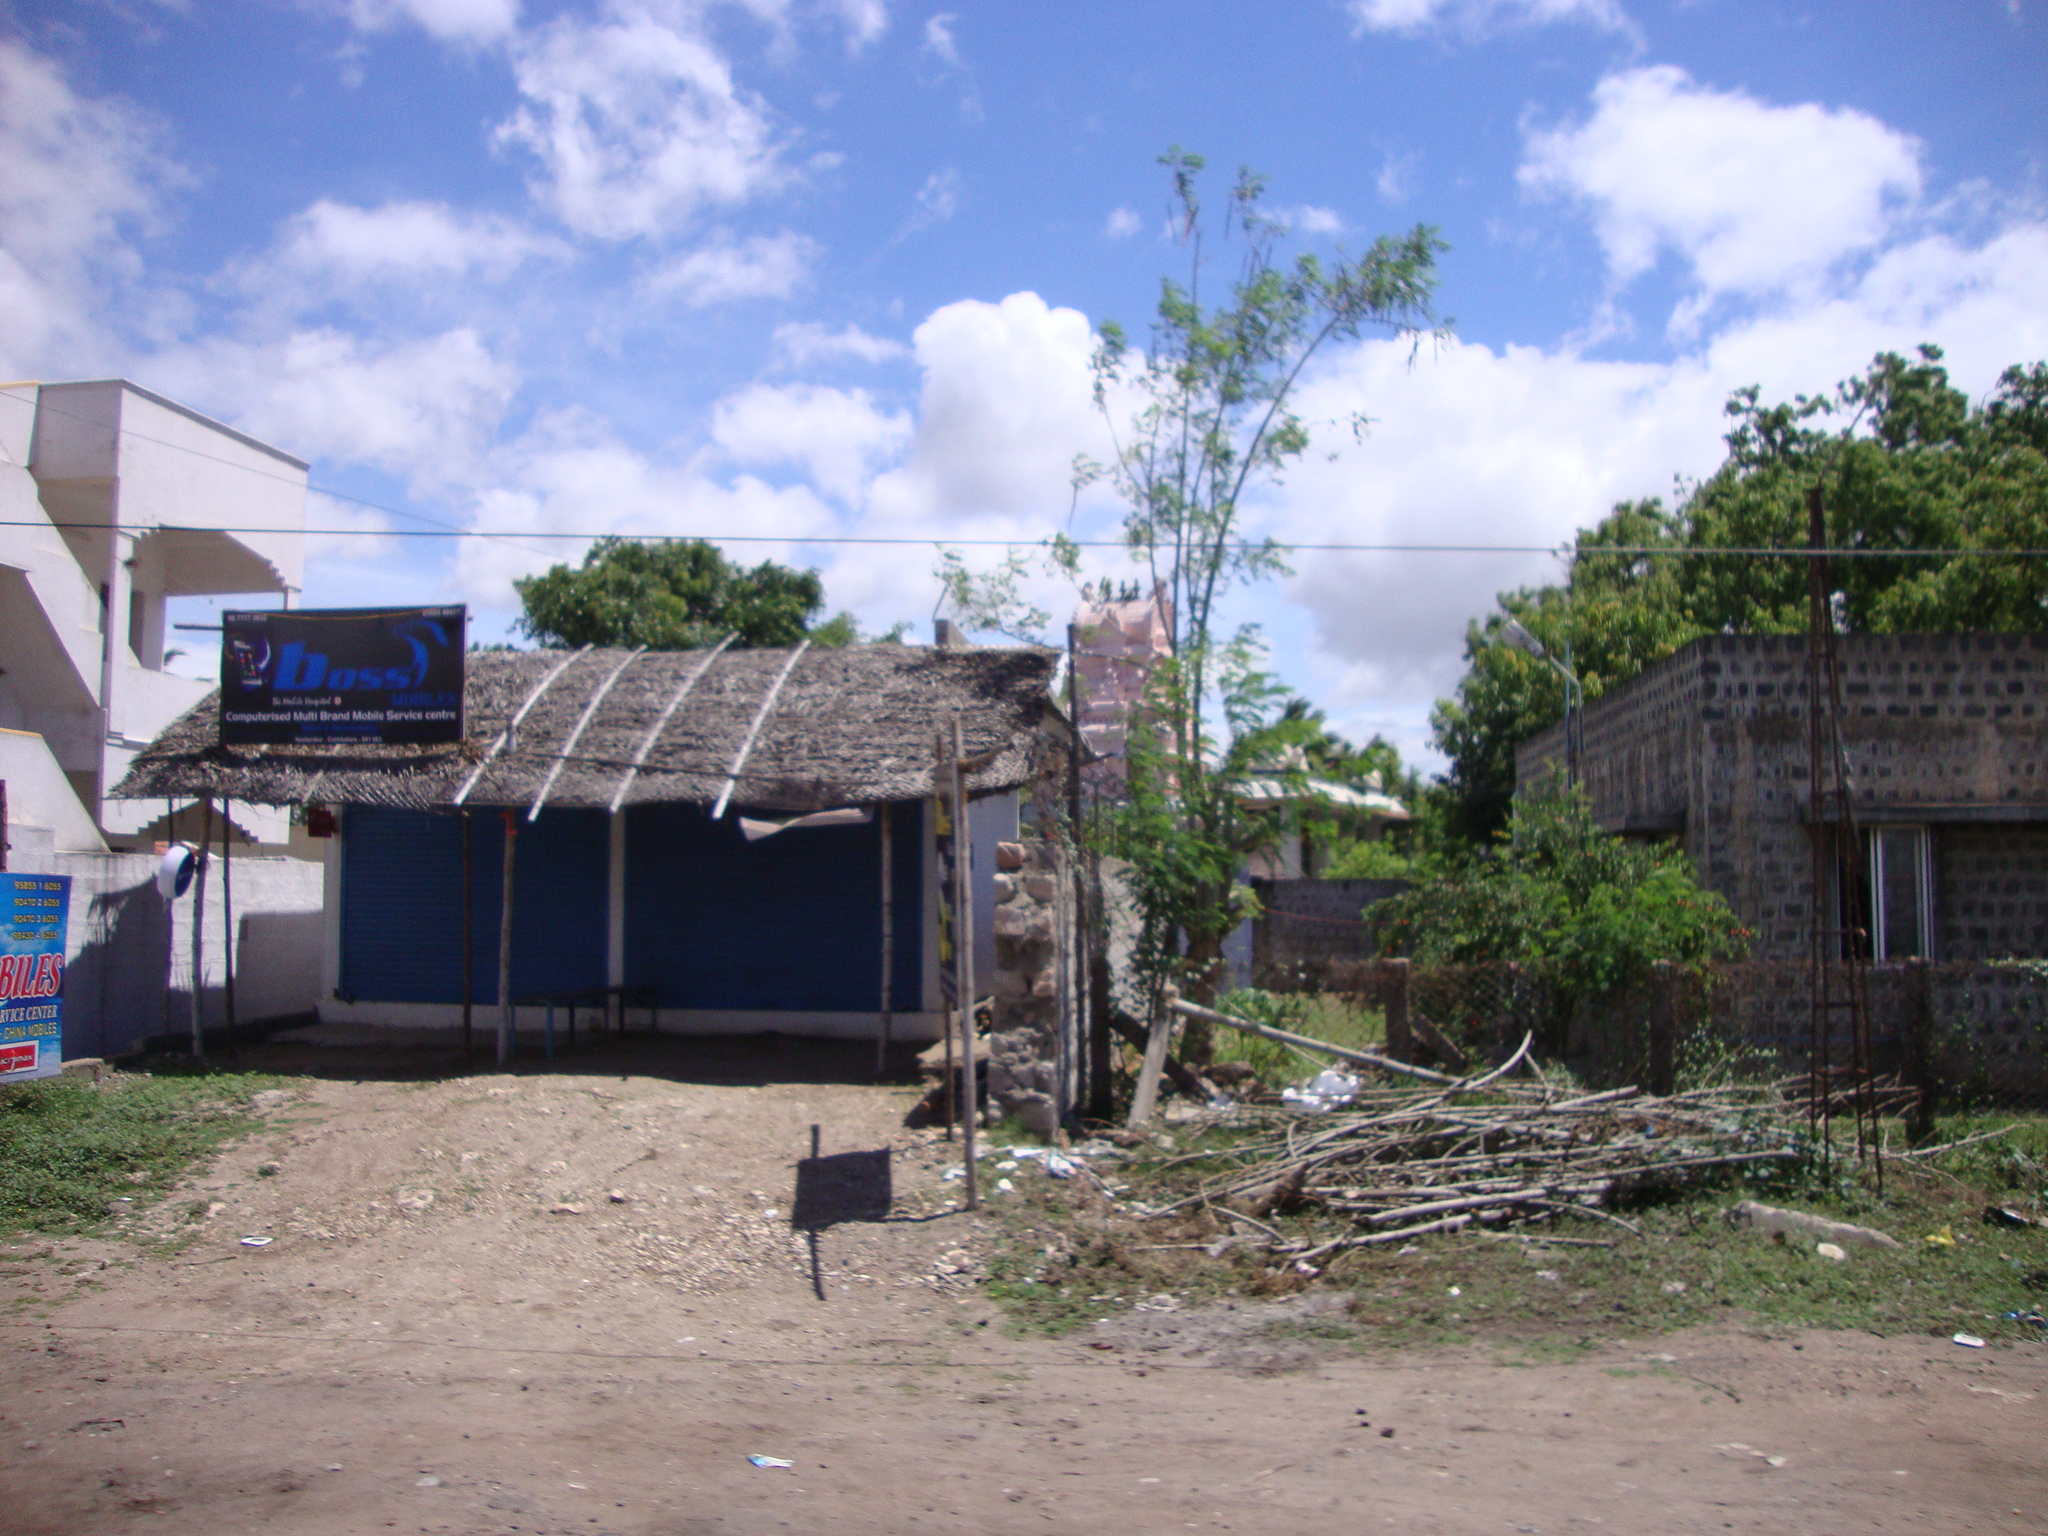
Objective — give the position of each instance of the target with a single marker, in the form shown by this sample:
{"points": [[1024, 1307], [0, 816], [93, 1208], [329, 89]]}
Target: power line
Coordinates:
{"points": [[438, 529], [1761, 551]]}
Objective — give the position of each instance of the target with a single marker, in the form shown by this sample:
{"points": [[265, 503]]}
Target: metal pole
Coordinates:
{"points": [[227, 911], [888, 944], [505, 946], [3, 826], [963, 959], [199, 932], [468, 947]]}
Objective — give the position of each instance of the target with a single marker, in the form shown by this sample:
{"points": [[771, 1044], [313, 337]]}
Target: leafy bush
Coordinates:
{"points": [[1596, 911]]}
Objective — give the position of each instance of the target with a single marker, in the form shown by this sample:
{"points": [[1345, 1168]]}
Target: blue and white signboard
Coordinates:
{"points": [[371, 675], [32, 913]]}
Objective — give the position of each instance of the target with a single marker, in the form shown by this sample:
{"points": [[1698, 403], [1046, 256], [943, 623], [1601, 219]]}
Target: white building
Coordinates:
{"points": [[114, 500]]}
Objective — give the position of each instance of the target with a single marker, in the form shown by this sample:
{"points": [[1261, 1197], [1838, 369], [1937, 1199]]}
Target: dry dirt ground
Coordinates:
{"points": [[456, 1328]]}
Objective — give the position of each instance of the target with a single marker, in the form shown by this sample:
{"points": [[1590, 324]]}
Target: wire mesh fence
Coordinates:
{"points": [[1951, 1035]]}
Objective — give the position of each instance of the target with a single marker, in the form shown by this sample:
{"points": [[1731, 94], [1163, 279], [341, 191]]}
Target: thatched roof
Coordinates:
{"points": [[856, 726]]}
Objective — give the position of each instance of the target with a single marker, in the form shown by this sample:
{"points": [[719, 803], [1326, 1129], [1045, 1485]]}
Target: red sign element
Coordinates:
{"points": [[17, 1058]]}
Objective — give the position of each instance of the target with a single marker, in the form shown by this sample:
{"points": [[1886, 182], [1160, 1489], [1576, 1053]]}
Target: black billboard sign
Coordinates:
{"points": [[373, 675]]}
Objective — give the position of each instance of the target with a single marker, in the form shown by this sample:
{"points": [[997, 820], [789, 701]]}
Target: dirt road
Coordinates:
{"points": [[456, 1328]]}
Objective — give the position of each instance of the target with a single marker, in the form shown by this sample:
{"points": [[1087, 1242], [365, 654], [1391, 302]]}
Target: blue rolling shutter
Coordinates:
{"points": [[789, 923], [401, 904]]}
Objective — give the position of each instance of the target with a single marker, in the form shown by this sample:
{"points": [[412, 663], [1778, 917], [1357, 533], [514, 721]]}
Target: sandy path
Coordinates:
{"points": [[477, 1362]]}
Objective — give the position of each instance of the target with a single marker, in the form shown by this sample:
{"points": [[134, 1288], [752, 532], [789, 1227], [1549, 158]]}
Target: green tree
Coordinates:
{"points": [[675, 595], [1904, 462], [1212, 422]]}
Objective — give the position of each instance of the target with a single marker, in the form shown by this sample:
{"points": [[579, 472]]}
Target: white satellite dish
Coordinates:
{"points": [[174, 873]]}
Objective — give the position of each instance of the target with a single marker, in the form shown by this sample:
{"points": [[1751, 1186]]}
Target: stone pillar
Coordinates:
{"points": [[1023, 1047]]}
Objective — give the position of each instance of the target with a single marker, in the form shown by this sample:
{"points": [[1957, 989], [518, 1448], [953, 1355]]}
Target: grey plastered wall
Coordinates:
{"points": [[1950, 731], [128, 952]]}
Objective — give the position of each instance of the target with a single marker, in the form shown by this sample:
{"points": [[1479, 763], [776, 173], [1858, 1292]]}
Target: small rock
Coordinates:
{"points": [[1830, 1251], [1674, 1287], [426, 1482], [618, 1197], [565, 1209]]}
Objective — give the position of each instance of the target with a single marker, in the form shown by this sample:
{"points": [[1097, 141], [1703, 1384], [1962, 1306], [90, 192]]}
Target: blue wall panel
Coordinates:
{"points": [[792, 922], [401, 904]]}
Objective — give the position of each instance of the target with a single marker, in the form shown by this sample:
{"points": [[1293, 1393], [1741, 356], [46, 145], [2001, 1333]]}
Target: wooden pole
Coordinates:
{"points": [[888, 944], [1663, 1028], [1146, 1099], [945, 829], [505, 946], [199, 933], [963, 959], [468, 947], [1394, 1000]]}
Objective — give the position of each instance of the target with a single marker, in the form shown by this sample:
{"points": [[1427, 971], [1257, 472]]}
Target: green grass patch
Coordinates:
{"points": [[69, 1148], [1319, 1015]]}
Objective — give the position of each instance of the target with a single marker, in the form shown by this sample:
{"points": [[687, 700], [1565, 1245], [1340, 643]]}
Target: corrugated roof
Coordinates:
{"points": [[856, 726]]}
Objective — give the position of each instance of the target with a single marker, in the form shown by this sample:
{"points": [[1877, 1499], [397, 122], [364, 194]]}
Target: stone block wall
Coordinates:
{"points": [[1028, 1060], [1949, 731], [1308, 926]]}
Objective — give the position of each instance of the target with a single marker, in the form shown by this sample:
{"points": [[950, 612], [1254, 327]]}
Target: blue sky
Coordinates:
{"points": [[809, 270]]}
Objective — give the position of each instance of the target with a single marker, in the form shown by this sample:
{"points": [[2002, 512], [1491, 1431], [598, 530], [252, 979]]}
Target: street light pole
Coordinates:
{"points": [[1517, 635]]}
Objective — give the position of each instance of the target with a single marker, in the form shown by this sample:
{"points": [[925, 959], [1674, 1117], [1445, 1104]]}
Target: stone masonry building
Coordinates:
{"points": [[1947, 740]]}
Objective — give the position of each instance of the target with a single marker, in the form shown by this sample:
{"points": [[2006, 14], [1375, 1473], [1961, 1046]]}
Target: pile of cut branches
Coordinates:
{"points": [[1487, 1151]]}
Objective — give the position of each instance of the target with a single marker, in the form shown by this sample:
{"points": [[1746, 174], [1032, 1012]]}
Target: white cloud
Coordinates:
{"points": [[638, 126], [938, 39], [1752, 197], [1123, 223], [764, 267], [343, 246], [865, 20], [937, 201], [1006, 403], [801, 343], [83, 181], [1482, 15], [838, 435], [426, 408], [571, 472], [1525, 445], [450, 21], [1307, 219], [1397, 174]]}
